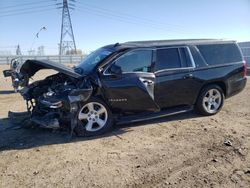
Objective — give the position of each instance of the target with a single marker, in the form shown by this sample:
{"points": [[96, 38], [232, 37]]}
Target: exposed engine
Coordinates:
{"points": [[53, 102], [49, 101]]}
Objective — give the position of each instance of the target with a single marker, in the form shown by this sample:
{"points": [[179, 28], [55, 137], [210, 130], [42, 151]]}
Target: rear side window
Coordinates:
{"points": [[167, 59], [171, 58], [198, 59], [220, 53]]}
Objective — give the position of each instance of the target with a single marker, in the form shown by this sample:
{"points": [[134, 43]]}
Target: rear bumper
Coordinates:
{"points": [[236, 87]]}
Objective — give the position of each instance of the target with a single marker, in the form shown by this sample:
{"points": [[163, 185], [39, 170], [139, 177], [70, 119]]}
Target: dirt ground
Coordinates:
{"points": [[186, 150]]}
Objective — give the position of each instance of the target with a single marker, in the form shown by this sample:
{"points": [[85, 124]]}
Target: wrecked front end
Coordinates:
{"points": [[17, 78], [53, 102]]}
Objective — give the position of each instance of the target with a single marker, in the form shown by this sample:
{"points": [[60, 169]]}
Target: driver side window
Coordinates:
{"points": [[135, 61]]}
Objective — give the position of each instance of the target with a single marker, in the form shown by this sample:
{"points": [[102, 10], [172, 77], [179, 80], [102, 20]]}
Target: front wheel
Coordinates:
{"points": [[210, 100], [94, 118]]}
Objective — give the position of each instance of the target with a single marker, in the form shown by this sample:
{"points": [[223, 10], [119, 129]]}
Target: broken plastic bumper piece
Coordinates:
{"points": [[53, 105]]}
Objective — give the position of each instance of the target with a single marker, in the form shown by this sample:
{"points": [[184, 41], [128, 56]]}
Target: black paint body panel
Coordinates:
{"points": [[140, 92], [173, 87]]}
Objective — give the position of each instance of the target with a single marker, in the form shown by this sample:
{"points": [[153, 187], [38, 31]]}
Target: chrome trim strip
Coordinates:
{"points": [[173, 69], [182, 68], [191, 57]]}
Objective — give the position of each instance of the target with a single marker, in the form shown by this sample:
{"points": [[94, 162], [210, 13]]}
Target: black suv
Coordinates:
{"points": [[133, 81]]}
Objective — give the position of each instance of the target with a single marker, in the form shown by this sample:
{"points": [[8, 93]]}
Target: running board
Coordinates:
{"points": [[150, 116]]}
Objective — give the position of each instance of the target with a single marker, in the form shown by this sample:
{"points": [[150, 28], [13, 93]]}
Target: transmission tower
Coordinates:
{"points": [[18, 50], [67, 42], [40, 50]]}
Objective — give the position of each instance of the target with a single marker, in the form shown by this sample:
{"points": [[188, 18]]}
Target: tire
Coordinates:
{"points": [[210, 100], [94, 118]]}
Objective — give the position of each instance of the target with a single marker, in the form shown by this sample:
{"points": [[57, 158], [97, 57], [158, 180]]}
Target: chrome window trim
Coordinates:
{"points": [[168, 47], [191, 56], [173, 69], [202, 57], [159, 71], [180, 68]]}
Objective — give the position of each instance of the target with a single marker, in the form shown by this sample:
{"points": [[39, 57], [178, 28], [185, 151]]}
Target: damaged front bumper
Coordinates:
{"points": [[61, 113], [53, 102], [53, 105]]}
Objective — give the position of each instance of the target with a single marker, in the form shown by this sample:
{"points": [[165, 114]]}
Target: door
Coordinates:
{"points": [[174, 83], [132, 89]]}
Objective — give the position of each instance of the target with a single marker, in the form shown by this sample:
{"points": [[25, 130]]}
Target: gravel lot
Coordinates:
{"points": [[186, 150]]}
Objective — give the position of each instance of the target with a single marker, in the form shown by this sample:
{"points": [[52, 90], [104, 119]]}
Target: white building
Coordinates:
{"points": [[245, 48]]}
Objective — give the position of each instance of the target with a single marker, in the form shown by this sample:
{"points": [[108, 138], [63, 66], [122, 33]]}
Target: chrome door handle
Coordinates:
{"points": [[148, 82], [188, 76]]}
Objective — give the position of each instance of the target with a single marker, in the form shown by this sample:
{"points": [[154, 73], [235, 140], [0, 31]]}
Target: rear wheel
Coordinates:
{"points": [[210, 101], [94, 118]]}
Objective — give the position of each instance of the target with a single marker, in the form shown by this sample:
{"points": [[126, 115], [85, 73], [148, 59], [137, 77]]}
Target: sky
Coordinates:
{"points": [[100, 22]]}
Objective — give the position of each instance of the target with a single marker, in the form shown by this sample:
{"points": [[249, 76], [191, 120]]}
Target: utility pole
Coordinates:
{"points": [[40, 50], [18, 50], [66, 44]]}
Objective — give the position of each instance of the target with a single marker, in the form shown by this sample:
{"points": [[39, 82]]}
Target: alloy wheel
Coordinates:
{"points": [[93, 115], [212, 100]]}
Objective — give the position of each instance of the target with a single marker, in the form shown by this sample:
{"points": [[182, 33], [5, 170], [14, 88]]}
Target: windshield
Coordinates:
{"points": [[89, 63]]}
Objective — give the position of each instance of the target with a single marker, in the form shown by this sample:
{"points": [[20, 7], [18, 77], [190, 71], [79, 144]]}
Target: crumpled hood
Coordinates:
{"points": [[30, 67]]}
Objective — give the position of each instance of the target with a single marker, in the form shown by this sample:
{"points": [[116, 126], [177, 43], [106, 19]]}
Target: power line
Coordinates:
{"points": [[25, 4], [27, 12], [25, 9], [116, 18], [121, 18], [126, 20], [84, 4]]}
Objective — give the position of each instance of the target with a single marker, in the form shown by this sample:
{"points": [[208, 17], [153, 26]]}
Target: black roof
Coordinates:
{"points": [[162, 43]]}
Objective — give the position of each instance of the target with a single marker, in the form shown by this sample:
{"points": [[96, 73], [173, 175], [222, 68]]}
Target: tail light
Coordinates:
{"points": [[245, 68]]}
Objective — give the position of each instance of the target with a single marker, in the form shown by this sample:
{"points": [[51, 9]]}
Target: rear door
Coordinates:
{"points": [[174, 84], [133, 89]]}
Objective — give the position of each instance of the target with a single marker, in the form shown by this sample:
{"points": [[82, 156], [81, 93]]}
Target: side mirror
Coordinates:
{"points": [[114, 69], [7, 73]]}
